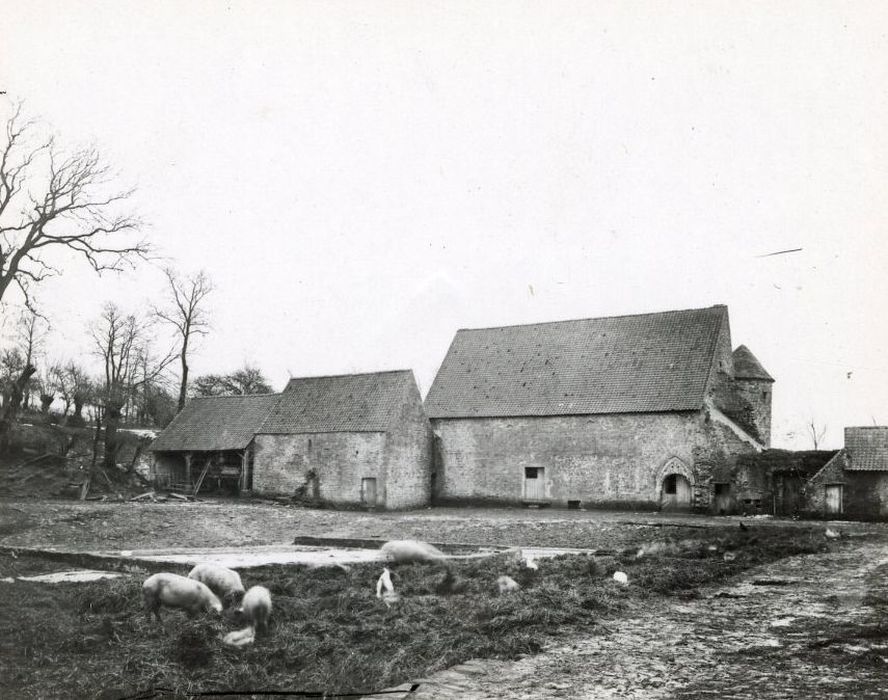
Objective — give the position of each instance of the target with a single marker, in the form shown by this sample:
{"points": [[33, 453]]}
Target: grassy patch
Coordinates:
{"points": [[330, 633]]}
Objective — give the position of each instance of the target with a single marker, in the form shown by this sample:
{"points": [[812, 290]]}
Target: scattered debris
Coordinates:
{"points": [[621, 578], [832, 534], [450, 584], [729, 556], [782, 622], [143, 496], [506, 584], [530, 563], [773, 582], [240, 638]]}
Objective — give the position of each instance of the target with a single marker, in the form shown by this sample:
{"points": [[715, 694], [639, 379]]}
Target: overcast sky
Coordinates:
{"points": [[362, 179]]}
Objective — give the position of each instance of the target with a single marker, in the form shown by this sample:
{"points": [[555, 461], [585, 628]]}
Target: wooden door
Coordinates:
{"points": [[368, 492], [534, 484], [676, 493], [834, 498]]}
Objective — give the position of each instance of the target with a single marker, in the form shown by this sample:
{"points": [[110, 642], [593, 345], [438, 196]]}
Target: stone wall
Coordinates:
{"points": [[866, 494], [603, 460], [409, 456], [339, 460]]}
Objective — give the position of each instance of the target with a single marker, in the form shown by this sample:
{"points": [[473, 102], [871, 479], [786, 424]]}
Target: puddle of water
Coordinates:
{"points": [[71, 576], [240, 557]]}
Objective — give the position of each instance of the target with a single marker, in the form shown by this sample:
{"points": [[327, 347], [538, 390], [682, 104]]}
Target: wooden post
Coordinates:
{"points": [[245, 460], [188, 458]]}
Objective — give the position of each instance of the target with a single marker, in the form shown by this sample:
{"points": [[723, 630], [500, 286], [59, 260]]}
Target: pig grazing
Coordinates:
{"points": [[225, 583], [256, 608], [176, 591], [403, 551]]}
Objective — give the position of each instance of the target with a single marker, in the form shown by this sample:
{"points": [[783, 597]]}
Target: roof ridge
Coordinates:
{"points": [[596, 318], [352, 374], [234, 396]]}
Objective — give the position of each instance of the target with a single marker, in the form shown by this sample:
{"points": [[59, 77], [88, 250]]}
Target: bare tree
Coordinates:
{"points": [[123, 344], [51, 201], [15, 374], [30, 339], [188, 316], [816, 433]]}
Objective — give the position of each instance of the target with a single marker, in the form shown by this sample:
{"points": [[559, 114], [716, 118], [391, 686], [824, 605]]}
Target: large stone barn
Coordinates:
{"points": [[208, 446], [645, 411], [350, 439]]}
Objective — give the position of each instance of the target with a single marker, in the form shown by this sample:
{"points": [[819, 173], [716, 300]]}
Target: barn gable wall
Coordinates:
{"points": [[340, 460], [409, 455], [615, 459]]}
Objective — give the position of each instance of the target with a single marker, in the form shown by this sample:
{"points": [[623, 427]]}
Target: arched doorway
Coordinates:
{"points": [[675, 493], [676, 485]]}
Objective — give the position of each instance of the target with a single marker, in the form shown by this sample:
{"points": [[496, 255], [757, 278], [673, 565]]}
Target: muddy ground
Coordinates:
{"points": [[81, 526], [810, 626]]}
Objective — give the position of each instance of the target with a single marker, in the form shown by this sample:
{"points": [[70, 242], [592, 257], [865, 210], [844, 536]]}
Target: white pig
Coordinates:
{"points": [[402, 551], [176, 591], [256, 608], [225, 583]]}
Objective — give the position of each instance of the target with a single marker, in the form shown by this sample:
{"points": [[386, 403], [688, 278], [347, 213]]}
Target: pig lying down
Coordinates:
{"points": [[176, 591], [225, 583], [403, 551]]}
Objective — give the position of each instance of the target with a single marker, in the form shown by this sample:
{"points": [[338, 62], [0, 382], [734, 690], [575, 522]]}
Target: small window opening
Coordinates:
{"points": [[722, 489], [669, 487], [530, 472]]}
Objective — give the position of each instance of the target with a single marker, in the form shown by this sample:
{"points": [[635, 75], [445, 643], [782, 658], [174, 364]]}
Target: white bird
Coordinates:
{"points": [[385, 589], [832, 534], [621, 578], [729, 556], [530, 562], [384, 583]]}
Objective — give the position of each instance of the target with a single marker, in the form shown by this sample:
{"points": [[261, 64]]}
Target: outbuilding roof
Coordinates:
{"points": [[651, 362], [747, 366], [867, 448], [215, 423], [343, 403]]}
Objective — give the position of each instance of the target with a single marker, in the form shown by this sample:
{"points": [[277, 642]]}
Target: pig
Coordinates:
{"points": [[225, 583], [176, 591], [403, 551], [255, 608]]}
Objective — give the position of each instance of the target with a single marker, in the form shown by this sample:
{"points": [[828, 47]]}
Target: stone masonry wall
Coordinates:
{"points": [[755, 397], [618, 459], [340, 460], [409, 456]]}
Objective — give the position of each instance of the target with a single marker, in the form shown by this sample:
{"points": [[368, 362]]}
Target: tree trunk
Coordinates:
{"points": [[11, 406], [183, 387], [112, 422]]}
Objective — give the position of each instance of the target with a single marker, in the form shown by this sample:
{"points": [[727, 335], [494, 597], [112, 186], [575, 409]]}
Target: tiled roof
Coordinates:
{"points": [[624, 364], [747, 366], [344, 403], [216, 423], [867, 448]]}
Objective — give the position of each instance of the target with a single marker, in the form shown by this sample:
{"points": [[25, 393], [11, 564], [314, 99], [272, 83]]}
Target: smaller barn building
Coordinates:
{"points": [[348, 439], [354, 439], [855, 482]]}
